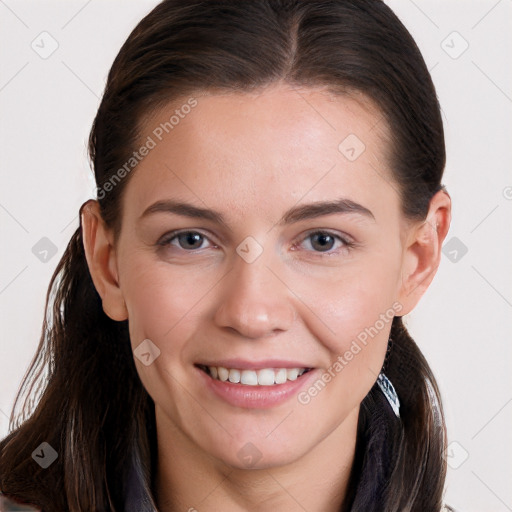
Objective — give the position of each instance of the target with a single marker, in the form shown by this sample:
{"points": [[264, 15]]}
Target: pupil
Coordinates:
{"points": [[322, 237], [190, 238]]}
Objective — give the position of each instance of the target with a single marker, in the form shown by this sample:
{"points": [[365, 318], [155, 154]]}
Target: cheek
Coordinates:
{"points": [[351, 314], [163, 301], [163, 306], [358, 298], [355, 332]]}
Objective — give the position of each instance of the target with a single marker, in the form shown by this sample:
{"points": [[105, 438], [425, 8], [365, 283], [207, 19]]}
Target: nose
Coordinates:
{"points": [[255, 301]]}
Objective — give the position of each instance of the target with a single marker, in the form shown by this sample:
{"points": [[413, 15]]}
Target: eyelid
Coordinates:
{"points": [[343, 237]]}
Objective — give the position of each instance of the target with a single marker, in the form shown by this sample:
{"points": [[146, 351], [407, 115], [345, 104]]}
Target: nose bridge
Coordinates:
{"points": [[255, 302]]}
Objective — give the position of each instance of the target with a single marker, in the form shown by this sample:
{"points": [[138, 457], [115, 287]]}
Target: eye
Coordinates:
{"points": [[186, 240], [319, 241], [324, 241]]}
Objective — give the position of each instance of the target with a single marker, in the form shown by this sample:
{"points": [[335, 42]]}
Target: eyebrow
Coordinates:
{"points": [[291, 216]]}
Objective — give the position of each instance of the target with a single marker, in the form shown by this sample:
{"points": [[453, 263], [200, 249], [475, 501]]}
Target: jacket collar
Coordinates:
{"points": [[138, 496]]}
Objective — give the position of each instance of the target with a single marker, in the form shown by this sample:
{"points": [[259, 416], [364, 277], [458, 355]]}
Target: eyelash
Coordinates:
{"points": [[347, 244]]}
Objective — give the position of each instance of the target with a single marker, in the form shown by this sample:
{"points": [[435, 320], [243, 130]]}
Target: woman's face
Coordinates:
{"points": [[290, 256]]}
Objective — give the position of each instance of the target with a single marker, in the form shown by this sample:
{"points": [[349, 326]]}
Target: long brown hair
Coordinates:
{"points": [[82, 394]]}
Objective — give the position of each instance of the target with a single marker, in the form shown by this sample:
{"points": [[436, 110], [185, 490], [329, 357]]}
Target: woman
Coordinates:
{"points": [[224, 329]]}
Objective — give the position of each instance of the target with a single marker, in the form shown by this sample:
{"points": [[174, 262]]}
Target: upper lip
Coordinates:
{"points": [[243, 364]]}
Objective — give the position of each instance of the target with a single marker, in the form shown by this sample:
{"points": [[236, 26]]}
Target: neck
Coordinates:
{"points": [[189, 479]]}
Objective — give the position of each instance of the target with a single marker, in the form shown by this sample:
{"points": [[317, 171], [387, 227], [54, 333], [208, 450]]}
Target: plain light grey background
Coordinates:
{"points": [[54, 60]]}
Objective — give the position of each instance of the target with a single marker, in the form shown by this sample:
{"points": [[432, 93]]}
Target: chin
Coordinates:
{"points": [[259, 453]]}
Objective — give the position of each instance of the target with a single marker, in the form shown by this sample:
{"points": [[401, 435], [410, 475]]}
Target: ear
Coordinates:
{"points": [[101, 260], [422, 252]]}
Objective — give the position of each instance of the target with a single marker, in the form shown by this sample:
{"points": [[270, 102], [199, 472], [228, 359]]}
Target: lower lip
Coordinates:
{"points": [[255, 397]]}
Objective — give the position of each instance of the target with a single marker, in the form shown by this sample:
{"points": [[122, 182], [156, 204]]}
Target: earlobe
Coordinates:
{"points": [[423, 252], [100, 255]]}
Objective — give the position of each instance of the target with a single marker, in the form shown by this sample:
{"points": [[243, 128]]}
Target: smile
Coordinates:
{"points": [[262, 377]]}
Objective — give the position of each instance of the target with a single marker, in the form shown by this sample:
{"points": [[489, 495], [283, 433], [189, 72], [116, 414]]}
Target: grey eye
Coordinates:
{"points": [[190, 240], [322, 241]]}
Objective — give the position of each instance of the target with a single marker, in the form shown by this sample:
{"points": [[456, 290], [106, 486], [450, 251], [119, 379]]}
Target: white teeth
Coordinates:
{"points": [[249, 378], [223, 373], [234, 376], [263, 377], [266, 377], [292, 373], [281, 376]]}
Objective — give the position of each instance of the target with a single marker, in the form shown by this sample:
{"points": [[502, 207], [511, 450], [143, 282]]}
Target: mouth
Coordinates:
{"points": [[247, 384], [253, 377]]}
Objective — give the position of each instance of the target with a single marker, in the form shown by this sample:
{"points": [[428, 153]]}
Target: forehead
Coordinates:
{"points": [[292, 112], [241, 149]]}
